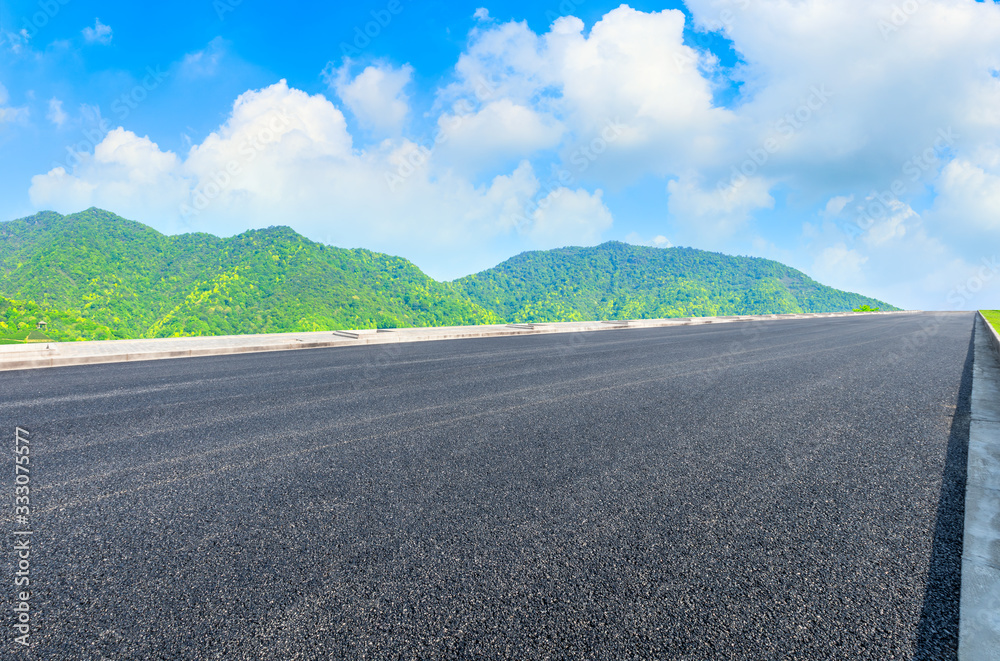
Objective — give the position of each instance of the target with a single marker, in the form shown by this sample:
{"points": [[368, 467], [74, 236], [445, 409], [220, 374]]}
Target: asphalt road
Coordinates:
{"points": [[782, 489]]}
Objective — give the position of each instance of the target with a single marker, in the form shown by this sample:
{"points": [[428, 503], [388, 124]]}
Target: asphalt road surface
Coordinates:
{"points": [[780, 489]]}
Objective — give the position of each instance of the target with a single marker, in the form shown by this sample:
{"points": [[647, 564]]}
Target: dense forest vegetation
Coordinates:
{"points": [[622, 281], [94, 275]]}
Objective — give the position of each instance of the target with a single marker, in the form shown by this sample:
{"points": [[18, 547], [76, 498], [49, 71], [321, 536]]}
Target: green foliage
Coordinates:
{"points": [[128, 281], [93, 275], [19, 320], [622, 281], [865, 308], [992, 316]]}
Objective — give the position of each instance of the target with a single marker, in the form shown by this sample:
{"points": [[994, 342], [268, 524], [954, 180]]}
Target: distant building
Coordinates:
{"points": [[40, 325]]}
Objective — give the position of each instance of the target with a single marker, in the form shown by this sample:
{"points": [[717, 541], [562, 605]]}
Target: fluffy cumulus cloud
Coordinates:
{"points": [[891, 80], [376, 96], [968, 199], [896, 259], [858, 139], [631, 72], [499, 131], [856, 110], [126, 172], [287, 156], [569, 213]]}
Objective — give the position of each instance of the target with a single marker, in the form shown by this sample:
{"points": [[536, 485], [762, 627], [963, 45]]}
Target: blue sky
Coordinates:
{"points": [[857, 141]]}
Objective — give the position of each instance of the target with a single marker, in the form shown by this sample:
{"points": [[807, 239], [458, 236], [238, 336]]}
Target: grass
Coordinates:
{"points": [[12, 338], [25, 337], [992, 316]]}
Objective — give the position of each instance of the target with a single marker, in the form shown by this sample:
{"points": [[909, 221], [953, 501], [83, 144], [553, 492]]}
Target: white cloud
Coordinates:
{"points": [[969, 196], [56, 114], [126, 173], [658, 241], [569, 217], [909, 109], [376, 96], [631, 71], [205, 63], [504, 61], [836, 204], [10, 114], [834, 112], [286, 156], [896, 260], [887, 98], [500, 131], [708, 218], [838, 263], [17, 40], [100, 33], [627, 69], [892, 226]]}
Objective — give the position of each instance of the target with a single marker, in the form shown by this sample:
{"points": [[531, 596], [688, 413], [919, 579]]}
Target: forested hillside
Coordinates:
{"points": [[94, 275], [621, 281], [127, 280]]}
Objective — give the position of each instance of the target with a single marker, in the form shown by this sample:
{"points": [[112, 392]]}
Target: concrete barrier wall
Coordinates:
{"points": [[57, 354]]}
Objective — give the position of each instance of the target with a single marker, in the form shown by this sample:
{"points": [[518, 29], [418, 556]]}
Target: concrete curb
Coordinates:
{"points": [[59, 354], [979, 610]]}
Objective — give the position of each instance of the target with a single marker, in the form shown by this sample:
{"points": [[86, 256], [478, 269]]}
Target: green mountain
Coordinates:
{"points": [[94, 275], [97, 276], [621, 281]]}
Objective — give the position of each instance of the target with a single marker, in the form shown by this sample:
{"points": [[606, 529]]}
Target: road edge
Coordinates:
{"points": [[979, 606], [61, 354]]}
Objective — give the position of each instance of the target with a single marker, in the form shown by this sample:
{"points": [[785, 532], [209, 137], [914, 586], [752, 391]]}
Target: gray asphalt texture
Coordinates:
{"points": [[779, 489]]}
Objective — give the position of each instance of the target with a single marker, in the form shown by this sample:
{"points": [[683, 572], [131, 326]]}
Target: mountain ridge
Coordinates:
{"points": [[682, 282], [95, 275]]}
